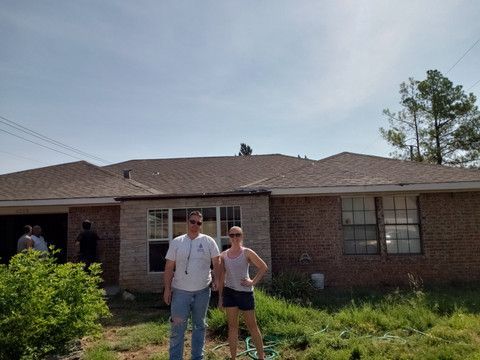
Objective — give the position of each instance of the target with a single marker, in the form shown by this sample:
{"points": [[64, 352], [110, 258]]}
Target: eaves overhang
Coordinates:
{"points": [[384, 188], [53, 202], [194, 195]]}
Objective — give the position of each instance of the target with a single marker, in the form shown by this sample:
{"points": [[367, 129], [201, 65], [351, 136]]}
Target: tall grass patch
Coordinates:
{"points": [[276, 317], [137, 336], [407, 324]]}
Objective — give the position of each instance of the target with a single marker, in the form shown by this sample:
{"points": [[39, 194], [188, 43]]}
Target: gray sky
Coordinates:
{"points": [[157, 79]]}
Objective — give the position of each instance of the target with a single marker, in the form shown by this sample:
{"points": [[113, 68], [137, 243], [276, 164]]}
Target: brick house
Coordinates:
{"points": [[358, 219]]}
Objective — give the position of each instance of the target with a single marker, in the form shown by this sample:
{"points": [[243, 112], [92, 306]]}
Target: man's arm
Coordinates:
{"points": [[221, 283], [77, 246], [167, 281], [28, 243], [216, 272]]}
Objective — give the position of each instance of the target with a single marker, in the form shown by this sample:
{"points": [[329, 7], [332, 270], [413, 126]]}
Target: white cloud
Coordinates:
{"points": [[277, 70]]}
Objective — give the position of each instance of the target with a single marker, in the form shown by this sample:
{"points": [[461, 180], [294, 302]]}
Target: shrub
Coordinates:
{"points": [[293, 286], [44, 306]]}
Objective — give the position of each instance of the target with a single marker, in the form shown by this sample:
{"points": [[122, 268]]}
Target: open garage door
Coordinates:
{"points": [[54, 228]]}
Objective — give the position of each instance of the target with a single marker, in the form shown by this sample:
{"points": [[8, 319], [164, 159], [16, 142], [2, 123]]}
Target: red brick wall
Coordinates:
{"points": [[450, 228], [106, 222], [134, 245], [452, 234]]}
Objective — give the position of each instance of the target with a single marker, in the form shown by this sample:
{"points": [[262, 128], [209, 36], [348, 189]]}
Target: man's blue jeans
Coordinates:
{"points": [[184, 303]]}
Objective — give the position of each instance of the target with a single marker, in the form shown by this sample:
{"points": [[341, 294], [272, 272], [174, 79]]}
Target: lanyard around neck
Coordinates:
{"points": [[188, 258]]}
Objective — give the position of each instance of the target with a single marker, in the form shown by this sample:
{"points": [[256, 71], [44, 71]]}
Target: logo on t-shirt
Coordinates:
{"points": [[200, 248]]}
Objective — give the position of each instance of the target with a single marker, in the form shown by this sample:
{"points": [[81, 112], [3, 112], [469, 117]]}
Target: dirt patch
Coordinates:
{"points": [[146, 353]]}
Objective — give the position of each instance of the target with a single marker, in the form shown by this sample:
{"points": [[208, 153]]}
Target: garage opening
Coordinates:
{"points": [[54, 226]]}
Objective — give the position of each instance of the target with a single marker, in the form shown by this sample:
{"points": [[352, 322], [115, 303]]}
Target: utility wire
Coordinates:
{"points": [[33, 142], [466, 52], [36, 134], [471, 87], [23, 157], [46, 138]]}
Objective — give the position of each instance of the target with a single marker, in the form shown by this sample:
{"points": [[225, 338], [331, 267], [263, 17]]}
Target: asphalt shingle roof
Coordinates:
{"points": [[349, 169], [213, 175], [66, 181], [208, 174]]}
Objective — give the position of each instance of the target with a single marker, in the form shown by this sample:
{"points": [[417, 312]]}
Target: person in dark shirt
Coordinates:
{"points": [[87, 241]]}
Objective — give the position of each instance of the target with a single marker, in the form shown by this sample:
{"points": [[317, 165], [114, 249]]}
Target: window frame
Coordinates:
{"points": [[218, 237], [406, 224], [363, 225], [157, 240]]}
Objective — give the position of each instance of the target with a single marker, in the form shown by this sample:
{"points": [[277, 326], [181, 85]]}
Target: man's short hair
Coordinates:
{"points": [[27, 229], [86, 224], [195, 213]]}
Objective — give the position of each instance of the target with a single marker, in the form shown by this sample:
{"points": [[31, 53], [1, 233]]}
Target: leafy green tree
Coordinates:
{"points": [[245, 150], [438, 123], [44, 306]]}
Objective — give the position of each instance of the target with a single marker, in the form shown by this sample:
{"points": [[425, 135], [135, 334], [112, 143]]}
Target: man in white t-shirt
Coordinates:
{"points": [[187, 278], [25, 241], [39, 242]]}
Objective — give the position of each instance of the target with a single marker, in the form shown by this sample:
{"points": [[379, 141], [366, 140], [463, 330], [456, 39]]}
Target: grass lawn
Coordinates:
{"points": [[439, 323]]}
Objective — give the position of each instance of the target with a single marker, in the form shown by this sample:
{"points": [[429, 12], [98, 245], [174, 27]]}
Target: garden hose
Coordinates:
{"points": [[269, 343], [268, 348]]}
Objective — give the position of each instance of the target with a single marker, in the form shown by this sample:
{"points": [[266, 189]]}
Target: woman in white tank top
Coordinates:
{"points": [[236, 289]]}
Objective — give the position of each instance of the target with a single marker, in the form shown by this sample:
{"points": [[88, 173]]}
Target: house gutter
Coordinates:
{"points": [[331, 190], [53, 202], [194, 195]]}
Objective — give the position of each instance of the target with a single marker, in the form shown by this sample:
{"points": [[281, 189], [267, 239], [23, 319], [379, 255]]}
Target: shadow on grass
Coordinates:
{"points": [[145, 308], [445, 299]]}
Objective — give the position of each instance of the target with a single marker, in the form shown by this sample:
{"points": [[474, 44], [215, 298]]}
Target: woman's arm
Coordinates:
{"points": [[221, 281], [261, 266]]}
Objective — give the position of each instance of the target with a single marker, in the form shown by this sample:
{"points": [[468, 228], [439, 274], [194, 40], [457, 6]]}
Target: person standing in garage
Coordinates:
{"points": [[87, 243], [39, 242], [25, 241]]}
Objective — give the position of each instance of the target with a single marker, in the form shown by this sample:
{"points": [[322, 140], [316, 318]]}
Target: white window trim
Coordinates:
{"points": [[376, 224], [380, 240], [419, 224], [217, 238]]}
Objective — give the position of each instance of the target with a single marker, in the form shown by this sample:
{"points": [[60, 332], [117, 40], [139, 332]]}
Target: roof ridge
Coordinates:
{"points": [[333, 156], [206, 157], [46, 167], [408, 162], [311, 163], [131, 181]]}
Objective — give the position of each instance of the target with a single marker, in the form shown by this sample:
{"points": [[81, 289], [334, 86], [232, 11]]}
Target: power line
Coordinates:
{"points": [[33, 142], [466, 52], [471, 87], [36, 134], [23, 157]]}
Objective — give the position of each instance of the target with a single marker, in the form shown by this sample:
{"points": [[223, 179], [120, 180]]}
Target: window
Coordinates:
{"points": [[157, 238], [165, 224], [360, 235], [229, 216], [402, 227]]}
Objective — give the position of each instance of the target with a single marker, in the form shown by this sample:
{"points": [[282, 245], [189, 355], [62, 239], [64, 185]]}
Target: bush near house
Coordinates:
{"points": [[44, 306]]}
